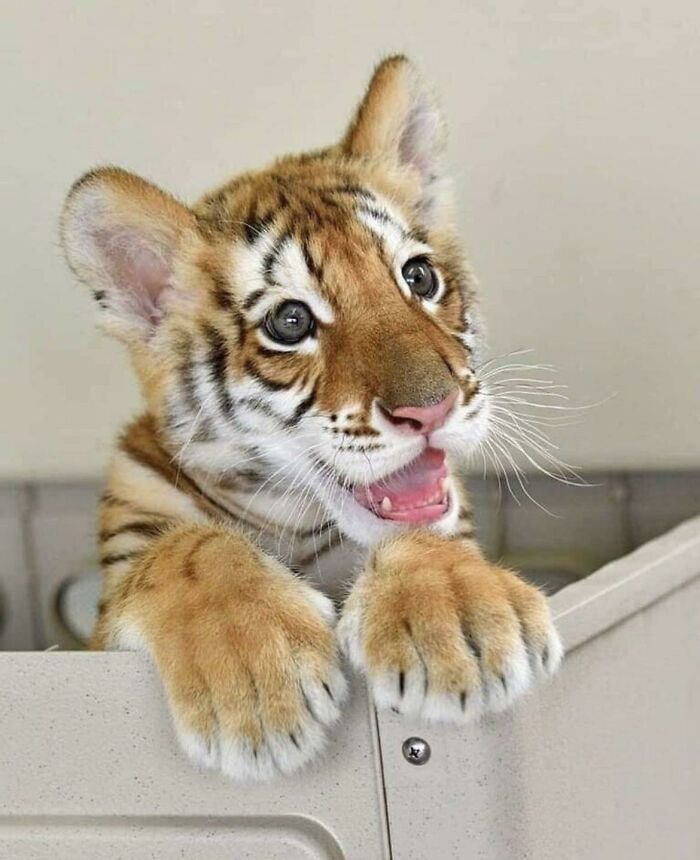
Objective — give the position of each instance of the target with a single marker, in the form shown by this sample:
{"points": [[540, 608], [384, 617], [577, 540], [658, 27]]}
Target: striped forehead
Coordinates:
{"points": [[387, 224], [276, 267]]}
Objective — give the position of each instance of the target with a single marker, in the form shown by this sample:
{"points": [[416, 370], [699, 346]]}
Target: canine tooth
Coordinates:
{"points": [[444, 486], [386, 505]]}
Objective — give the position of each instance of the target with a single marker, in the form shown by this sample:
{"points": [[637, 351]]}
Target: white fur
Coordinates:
{"points": [[203, 752], [489, 694], [292, 278], [517, 675]]}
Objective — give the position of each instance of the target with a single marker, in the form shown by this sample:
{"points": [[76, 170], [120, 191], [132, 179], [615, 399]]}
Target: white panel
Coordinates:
{"points": [[89, 767], [601, 763]]}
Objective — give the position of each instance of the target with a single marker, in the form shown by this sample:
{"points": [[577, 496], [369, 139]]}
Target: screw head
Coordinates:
{"points": [[416, 750]]}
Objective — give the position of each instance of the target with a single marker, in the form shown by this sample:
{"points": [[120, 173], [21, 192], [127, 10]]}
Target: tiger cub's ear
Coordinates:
{"points": [[399, 123], [119, 234]]}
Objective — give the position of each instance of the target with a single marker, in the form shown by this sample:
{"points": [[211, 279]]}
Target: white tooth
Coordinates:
{"points": [[444, 485], [386, 505]]}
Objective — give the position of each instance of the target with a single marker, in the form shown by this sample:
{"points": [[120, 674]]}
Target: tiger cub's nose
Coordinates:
{"points": [[421, 419]]}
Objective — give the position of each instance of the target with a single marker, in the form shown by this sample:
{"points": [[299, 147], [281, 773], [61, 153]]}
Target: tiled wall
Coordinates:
{"points": [[47, 536]]}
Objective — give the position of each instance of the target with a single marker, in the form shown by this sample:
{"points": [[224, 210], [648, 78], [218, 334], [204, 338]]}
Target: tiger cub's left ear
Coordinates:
{"points": [[120, 235], [399, 124]]}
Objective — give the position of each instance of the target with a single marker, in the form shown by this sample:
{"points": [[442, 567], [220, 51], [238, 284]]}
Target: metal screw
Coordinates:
{"points": [[416, 750]]}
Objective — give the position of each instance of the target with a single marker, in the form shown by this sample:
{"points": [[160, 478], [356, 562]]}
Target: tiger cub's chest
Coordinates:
{"points": [[299, 533]]}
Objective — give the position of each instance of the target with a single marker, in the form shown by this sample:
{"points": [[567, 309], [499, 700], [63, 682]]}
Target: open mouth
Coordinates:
{"points": [[416, 493]]}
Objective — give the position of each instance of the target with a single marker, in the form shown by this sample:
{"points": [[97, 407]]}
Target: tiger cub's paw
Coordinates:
{"points": [[249, 663], [443, 634]]}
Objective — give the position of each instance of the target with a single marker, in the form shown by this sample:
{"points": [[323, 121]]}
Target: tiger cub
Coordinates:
{"points": [[306, 340]]}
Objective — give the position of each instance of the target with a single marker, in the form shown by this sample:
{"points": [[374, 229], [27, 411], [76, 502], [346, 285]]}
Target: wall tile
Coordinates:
{"points": [[659, 501], [16, 623], [63, 526], [488, 513], [585, 527]]}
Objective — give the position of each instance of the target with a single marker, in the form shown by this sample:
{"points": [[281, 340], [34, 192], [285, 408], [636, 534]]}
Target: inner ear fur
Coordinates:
{"points": [[120, 233], [399, 123]]}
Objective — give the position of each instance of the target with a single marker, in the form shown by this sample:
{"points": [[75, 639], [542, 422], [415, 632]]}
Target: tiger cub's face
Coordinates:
{"points": [[313, 321]]}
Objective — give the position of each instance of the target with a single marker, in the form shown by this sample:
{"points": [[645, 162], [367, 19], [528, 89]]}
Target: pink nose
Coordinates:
{"points": [[422, 419]]}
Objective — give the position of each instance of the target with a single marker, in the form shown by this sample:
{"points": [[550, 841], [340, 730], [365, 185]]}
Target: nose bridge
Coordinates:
{"points": [[414, 370], [390, 350]]}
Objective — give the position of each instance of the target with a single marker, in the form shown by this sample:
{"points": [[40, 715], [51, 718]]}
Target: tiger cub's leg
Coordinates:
{"points": [[245, 650], [442, 633]]}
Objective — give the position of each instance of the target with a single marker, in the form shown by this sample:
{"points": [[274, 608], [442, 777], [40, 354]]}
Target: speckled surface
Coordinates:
{"points": [[87, 749], [603, 763]]}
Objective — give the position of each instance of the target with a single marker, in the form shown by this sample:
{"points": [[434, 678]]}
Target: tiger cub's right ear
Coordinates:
{"points": [[119, 234]]}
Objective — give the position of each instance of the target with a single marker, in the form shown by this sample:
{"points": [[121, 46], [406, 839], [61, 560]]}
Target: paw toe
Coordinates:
{"points": [[509, 681], [203, 751], [551, 654], [244, 761], [324, 696], [452, 708], [292, 750]]}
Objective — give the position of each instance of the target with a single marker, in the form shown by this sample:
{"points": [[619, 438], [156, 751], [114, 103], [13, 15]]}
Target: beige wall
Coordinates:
{"points": [[575, 146]]}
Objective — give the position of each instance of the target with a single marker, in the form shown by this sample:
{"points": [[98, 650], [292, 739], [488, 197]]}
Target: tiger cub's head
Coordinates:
{"points": [[315, 319]]}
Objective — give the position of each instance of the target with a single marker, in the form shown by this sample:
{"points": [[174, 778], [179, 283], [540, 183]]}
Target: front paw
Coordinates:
{"points": [[249, 663], [443, 634]]}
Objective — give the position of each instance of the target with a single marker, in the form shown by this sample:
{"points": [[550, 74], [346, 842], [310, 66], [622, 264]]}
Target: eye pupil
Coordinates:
{"points": [[290, 322], [420, 277]]}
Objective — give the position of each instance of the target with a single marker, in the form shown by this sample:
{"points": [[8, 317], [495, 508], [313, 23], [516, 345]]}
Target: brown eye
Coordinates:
{"points": [[289, 322], [420, 277]]}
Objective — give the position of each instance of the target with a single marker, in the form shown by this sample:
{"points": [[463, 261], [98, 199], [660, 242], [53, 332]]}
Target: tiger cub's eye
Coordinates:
{"points": [[289, 322], [420, 277]]}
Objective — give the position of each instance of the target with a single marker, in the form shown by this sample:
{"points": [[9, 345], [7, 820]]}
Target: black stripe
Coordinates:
{"points": [[260, 406], [376, 213], [271, 384], [217, 361], [272, 256], [314, 556], [314, 269], [222, 297], [176, 423], [110, 500], [302, 408], [190, 385], [271, 353], [318, 531], [419, 235], [108, 560], [253, 299], [384, 218], [221, 290], [239, 320], [148, 529], [255, 226], [354, 190]]}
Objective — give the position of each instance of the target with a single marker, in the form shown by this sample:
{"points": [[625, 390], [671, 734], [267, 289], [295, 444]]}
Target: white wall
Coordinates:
{"points": [[575, 145]]}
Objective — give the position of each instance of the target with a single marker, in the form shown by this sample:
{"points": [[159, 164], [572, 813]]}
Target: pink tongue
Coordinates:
{"points": [[414, 486]]}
